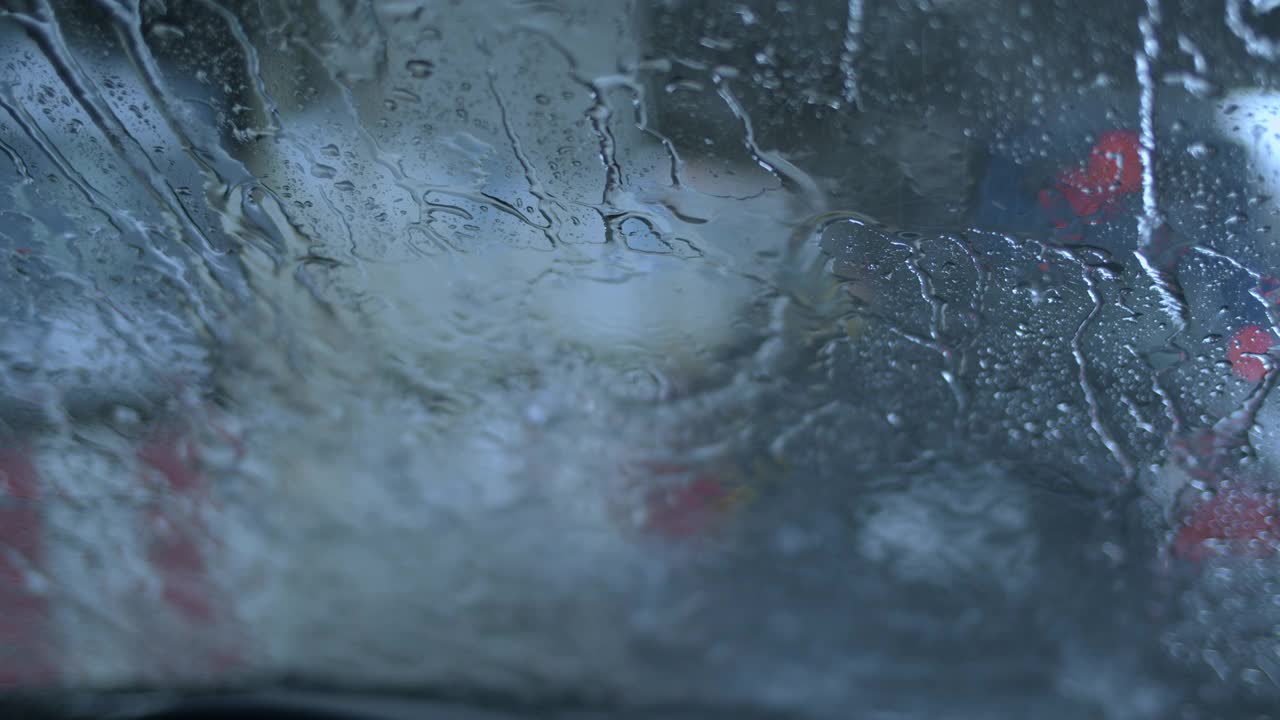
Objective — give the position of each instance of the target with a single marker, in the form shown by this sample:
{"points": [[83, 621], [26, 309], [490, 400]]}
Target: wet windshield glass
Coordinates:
{"points": [[908, 356]]}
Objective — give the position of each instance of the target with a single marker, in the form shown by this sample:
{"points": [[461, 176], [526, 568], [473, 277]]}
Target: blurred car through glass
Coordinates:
{"points": [[902, 358]]}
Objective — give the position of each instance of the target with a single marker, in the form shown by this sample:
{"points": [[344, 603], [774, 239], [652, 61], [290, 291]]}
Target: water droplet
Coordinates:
{"points": [[406, 95], [324, 172], [165, 31], [1200, 150], [420, 69]]}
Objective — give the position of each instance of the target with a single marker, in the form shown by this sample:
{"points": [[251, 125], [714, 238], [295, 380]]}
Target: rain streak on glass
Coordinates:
{"points": [[737, 359]]}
